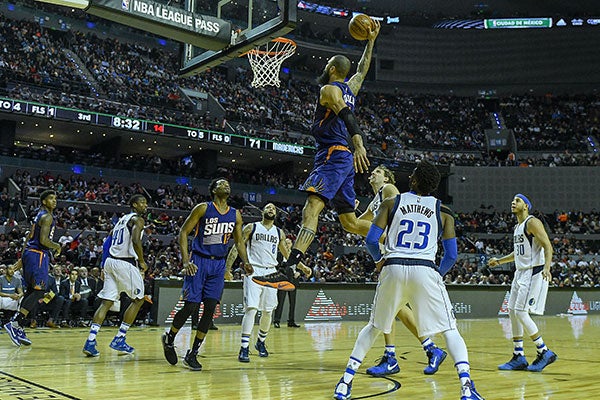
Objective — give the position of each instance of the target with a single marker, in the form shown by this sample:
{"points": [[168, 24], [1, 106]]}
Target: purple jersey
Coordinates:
{"points": [[214, 231], [327, 128], [34, 242]]}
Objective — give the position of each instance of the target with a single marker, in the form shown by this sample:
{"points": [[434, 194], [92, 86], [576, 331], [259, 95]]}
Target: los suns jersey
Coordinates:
{"points": [[414, 227], [263, 245], [327, 128], [122, 243], [527, 251], [34, 241], [214, 231]]}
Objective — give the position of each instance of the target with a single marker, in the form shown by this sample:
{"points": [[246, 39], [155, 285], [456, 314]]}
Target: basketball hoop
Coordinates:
{"points": [[266, 61]]}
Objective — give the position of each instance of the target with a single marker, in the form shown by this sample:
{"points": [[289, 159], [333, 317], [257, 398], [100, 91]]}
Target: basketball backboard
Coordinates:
{"points": [[253, 22]]}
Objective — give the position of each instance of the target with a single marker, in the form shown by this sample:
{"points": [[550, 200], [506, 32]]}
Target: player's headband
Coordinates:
{"points": [[525, 200]]}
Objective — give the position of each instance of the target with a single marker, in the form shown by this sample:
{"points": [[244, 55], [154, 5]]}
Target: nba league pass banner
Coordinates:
{"points": [[353, 302]]}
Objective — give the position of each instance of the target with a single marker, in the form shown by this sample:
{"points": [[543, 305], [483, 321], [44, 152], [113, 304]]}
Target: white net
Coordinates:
{"points": [[266, 61]]}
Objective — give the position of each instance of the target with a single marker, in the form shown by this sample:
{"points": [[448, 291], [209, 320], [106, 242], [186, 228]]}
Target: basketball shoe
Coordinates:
{"points": [[244, 355], [14, 332], [343, 390], [517, 363], [436, 357], [543, 359], [89, 349], [468, 392], [388, 365], [191, 362], [118, 344], [262, 349], [169, 350], [280, 280]]}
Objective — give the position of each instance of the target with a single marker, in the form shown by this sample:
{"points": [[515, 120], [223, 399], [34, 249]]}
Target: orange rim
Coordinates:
{"points": [[273, 53]]}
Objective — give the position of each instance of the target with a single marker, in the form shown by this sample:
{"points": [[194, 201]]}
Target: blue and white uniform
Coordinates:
{"points": [[262, 248], [332, 176], [210, 246], [121, 272], [409, 274], [529, 289]]}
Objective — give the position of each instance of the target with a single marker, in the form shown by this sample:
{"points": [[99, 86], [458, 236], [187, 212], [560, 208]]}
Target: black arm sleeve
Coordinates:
{"points": [[351, 123]]}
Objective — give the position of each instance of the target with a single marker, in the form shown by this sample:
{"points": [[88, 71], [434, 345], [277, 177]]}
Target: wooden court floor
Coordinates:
{"points": [[304, 363]]}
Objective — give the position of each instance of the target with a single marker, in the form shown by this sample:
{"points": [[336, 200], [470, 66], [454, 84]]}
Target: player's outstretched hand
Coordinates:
{"points": [[493, 262], [228, 276], [305, 270], [375, 27], [361, 161], [189, 268]]}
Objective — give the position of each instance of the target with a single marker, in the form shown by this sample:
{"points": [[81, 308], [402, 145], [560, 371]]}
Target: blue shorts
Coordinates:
{"points": [[35, 268], [207, 283], [332, 178]]}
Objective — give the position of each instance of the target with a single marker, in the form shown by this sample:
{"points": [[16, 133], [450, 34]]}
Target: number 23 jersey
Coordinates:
{"points": [[414, 228]]}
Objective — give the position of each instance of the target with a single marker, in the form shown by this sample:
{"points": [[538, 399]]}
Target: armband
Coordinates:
{"points": [[349, 119]]}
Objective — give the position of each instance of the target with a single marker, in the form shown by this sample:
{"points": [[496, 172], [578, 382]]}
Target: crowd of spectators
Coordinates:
{"points": [[394, 123]]}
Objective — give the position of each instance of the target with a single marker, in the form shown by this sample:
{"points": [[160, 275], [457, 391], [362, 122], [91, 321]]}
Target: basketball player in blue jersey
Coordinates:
{"points": [[124, 267], [382, 182], [414, 222], [532, 256], [332, 178], [263, 240], [35, 262], [214, 224]]}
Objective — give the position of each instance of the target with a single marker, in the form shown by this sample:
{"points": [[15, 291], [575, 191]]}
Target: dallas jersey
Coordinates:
{"points": [[414, 227], [214, 231], [377, 200], [327, 128], [122, 243], [34, 242], [263, 245], [528, 253]]}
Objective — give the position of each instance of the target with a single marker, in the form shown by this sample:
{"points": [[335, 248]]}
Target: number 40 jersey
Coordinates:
{"points": [[122, 245], [414, 228]]}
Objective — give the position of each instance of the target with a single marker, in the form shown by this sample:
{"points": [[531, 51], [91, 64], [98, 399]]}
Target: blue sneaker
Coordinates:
{"points": [[468, 392], [191, 362], [89, 348], [517, 363], [244, 355], [262, 349], [388, 365], [118, 344], [343, 390], [547, 357], [14, 332], [436, 357]]}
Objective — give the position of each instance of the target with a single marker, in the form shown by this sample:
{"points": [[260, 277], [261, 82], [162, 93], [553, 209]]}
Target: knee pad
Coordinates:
{"points": [[525, 319]]}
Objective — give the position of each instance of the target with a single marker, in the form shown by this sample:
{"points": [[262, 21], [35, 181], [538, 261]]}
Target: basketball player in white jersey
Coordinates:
{"points": [[532, 256], [263, 240], [414, 222], [123, 272], [382, 182]]}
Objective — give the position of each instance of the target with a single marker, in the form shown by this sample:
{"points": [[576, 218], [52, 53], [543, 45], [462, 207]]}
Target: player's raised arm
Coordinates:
{"points": [[355, 82]]}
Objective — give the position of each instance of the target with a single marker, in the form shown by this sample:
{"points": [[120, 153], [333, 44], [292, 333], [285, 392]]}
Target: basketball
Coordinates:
{"points": [[360, 26]]}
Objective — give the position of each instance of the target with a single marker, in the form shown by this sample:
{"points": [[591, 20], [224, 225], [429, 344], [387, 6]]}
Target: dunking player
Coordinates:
{"points": [[214, 224], [332, 177], [532, 256], [263, 240], [414, 223], [35, 262], [382, 182], [124, 266]]}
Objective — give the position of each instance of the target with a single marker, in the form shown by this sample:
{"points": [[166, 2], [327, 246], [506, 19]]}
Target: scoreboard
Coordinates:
{"points": [[148, 127]]}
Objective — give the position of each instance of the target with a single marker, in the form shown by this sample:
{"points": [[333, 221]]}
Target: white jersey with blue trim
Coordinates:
{"points": [[263, 245], [527, 251], [414, 227], [122, 243], [377, 200]]}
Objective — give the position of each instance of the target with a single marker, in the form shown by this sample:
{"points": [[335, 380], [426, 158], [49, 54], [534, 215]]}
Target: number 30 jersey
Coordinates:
{"points": [[527, 251], [414, 227]]}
